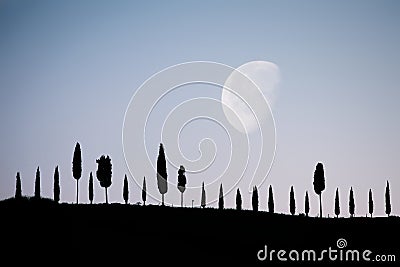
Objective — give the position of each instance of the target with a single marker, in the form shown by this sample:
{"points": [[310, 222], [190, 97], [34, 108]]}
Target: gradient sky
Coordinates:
{"points": [[69, 68]]}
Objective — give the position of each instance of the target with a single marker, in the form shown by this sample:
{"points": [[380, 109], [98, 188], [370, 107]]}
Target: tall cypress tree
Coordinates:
{"points": [[181, 182], [319, 184], [91, 193], [337, 206], [221, 198], [77, 167], [162, 173], [388, 206], [254, 199], [144, 194], [370, 203], [306, 204], [292, 201], [271, 206], [352, 205], [18, 187], [56, 186], [37, 184], [126, 190], [104, 173], [238, 200]]}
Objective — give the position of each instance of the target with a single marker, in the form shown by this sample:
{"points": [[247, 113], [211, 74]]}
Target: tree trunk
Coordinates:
{"points": [[320, 206], [162, 197], [106, 196], [182, 200], [77, 191]]}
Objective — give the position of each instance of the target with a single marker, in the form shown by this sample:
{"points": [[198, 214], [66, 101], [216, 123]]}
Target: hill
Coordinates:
{"points": [[45, 233]]}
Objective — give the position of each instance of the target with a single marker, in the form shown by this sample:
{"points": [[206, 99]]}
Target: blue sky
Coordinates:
{"points": [[69, 68]]}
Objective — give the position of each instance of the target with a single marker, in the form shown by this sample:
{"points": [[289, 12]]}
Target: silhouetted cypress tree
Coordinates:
{"points": [[56, 186], [162, 173], [181, 182], [18, 189], [37, 183], [77, 167], [104, 172], [337, 206], [271, 206], [126, 190], [319, 184], [254, 199], [388, 206], [306, 204], [221, 198], [91, 193], [144, 194], [238, 200], [370, 203], [203, 196], [292, 201], [352, 205]]}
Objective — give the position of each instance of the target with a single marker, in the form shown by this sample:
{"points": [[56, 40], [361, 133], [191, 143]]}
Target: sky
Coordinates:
{"points": [[68, 70]]}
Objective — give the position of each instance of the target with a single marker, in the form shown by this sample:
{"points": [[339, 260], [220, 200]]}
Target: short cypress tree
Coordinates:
{"points": [[370, 203], [203, 196], [37, 184], [292, 201], [352, 205], [337, 206], [18, 187], [126, 190], [306, 204], [238, 200], [144, 194], [271, 206], [91, 193], [221, 198], [56, 186], [254, 199], [388, 206]]}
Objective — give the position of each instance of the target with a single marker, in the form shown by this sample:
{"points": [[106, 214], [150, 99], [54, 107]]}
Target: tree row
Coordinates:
{"points": [[104, 175]]}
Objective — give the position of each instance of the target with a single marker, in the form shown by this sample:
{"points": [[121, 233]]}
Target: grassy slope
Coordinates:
{"points": [[89, 234]]}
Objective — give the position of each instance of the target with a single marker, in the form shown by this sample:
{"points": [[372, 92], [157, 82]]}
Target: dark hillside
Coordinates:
{"points": [[35, 231]]}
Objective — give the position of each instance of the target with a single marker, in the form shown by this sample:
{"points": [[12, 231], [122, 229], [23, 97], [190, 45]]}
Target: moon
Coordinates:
{"points": [[236, 92]]}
